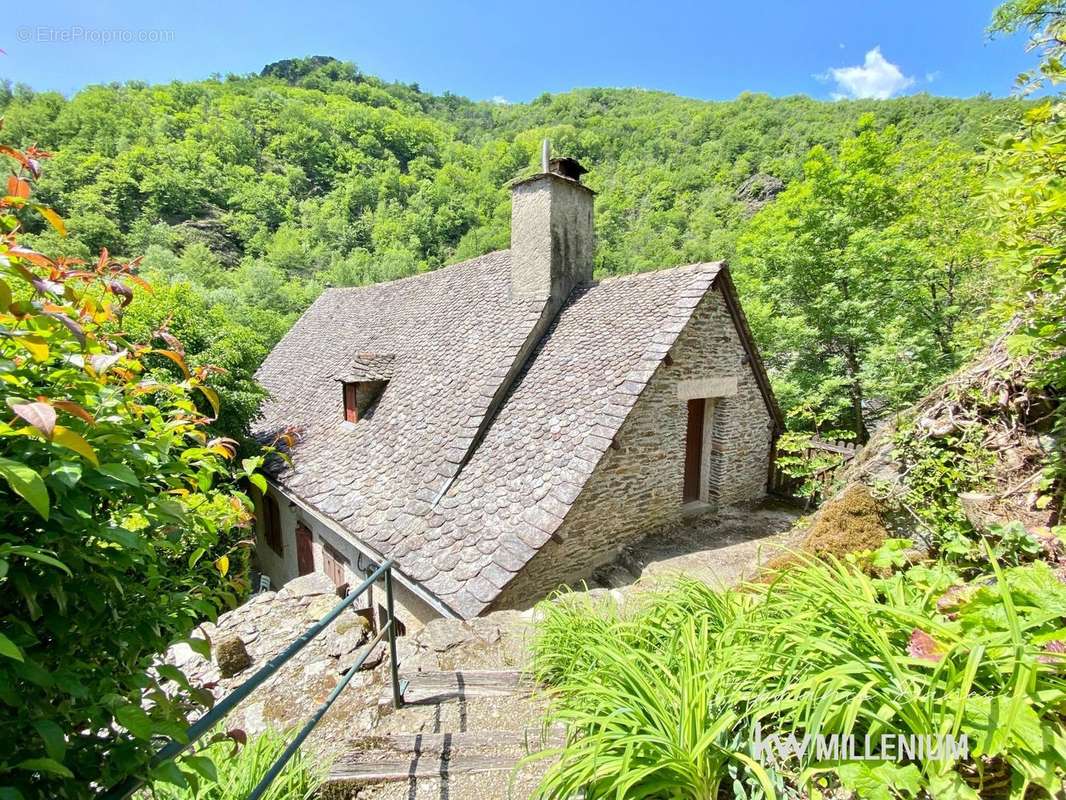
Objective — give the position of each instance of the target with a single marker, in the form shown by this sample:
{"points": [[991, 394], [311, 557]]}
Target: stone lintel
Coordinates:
{"points": [[707, 387]]}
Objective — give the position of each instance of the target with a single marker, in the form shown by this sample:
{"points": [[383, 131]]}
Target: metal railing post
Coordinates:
{"points": [[397, 692]]}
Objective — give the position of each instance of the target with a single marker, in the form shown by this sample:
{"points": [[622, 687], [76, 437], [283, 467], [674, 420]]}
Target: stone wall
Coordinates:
{"points": [[636, 490]]}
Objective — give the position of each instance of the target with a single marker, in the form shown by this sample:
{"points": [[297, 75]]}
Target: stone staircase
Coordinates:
{"points": [[461, 735]]}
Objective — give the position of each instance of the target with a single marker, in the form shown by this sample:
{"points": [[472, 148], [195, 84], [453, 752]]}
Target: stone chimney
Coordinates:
{"points": [[552, 239]]}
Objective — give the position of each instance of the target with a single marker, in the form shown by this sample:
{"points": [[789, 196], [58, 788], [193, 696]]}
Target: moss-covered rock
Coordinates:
{"points": [[231, 656]]}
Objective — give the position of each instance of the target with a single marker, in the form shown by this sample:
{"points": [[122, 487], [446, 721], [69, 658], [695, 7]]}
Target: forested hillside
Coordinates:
{"points": [[247, 195]]}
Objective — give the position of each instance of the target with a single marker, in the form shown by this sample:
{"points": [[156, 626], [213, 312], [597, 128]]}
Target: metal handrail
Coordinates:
{"points": [[175, 748]]}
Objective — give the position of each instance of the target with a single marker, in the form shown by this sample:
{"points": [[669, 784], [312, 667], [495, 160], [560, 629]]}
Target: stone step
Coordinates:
{"points": [[427, 688], [427, 759]]}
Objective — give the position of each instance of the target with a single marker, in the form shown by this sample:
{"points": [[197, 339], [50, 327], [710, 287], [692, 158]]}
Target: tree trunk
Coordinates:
{"points": [[855, 390]]}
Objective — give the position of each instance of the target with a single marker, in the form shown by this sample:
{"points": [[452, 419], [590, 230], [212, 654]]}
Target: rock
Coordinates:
{"points": [[443, 634], [342, 645], [372, 660], [977, 507], [314, 583], [262, 597], [231, 656], [253, 719], [351, 622], [319, 607], [183, 656], [317, 668]]}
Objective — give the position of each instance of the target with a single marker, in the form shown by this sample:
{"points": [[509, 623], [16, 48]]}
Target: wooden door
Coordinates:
{"points": [[694, 449], [305, 554], [334, 565]]}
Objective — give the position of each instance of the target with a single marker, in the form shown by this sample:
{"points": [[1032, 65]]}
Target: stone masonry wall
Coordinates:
{"points": [[636, 490]]}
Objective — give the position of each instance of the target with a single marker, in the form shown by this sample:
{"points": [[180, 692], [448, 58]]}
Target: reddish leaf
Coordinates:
{"points": [[32, 256], [73, 408], [171, 340], [15, 154], [40, 415], [123, 291], [1055, 653], [924, 647], [176, 358]]}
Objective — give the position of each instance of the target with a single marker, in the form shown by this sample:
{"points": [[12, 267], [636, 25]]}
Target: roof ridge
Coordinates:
{"points": [[696, 267], [418, 275]]}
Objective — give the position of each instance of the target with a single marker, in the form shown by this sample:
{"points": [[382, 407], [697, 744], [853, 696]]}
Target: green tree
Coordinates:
{"points": [[865, 268]]}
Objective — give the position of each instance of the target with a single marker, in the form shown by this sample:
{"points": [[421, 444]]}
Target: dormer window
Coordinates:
{"points": [[351, 401], [362, 382]]}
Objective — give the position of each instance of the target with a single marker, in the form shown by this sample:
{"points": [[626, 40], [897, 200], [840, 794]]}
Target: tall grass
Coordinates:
{"points": [[234, 774], [660, 700]]}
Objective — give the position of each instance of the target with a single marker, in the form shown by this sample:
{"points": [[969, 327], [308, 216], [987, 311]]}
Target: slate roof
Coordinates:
{"points": [[368, 367], [454, 334]]}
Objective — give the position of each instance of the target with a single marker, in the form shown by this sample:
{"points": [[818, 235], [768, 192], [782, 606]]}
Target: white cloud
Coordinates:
{"points": [[877, 78], [500, 100], [932, 76]]}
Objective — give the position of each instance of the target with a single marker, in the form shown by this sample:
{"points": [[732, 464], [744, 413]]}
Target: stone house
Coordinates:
{"points": [[505, 425]]}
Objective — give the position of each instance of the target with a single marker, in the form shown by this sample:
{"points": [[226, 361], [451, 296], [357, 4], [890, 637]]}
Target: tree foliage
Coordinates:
{"points": [[250, 194], [1027, 198], [863, 273], [120, 516]]}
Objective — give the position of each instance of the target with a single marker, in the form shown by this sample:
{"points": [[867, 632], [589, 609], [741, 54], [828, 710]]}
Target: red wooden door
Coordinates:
{"points": [[305, 554], [334, 564], [693, 449]]}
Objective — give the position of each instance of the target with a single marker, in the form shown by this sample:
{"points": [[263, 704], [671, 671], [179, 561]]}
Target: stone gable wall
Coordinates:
{"points": [[636, 490]]}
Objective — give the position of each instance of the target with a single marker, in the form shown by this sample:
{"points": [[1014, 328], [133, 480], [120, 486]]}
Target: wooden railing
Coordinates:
{"points": [[788, 486]]}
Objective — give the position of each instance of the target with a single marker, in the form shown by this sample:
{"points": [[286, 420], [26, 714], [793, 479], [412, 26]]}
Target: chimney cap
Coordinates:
{"points": [[567, 167]]}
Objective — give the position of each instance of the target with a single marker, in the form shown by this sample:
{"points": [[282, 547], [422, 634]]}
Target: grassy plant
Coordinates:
{"points": [[860, 656], [219, 772], [660, 700], [651, 722]]}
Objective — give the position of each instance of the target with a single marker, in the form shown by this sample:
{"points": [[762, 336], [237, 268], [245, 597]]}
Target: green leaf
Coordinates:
{"points": [[212, 397], [169, 772], [45, 765], [204, 766], [195, 556], [9, 648], [55, 743], [37, 554], [201, 647], [135, 720], [120, 473], [27, 484], [67, 438], [67, 473], [258, 481]]}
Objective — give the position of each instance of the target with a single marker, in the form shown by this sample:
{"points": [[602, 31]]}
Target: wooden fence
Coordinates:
{"points": [[788, 486]]}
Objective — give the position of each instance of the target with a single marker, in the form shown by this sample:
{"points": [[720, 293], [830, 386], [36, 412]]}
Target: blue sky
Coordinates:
{"points": [[516, 50]]}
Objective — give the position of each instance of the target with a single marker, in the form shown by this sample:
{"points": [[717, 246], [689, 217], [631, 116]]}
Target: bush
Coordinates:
{"points": [[120, 519]]}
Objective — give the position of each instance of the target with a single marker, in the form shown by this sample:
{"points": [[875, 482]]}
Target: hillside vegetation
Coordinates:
{"points": [[247, 195]]}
